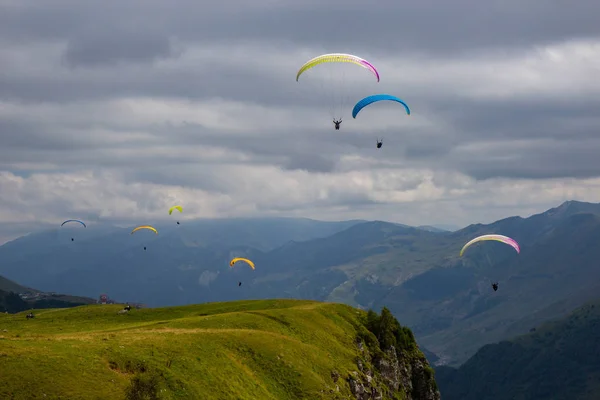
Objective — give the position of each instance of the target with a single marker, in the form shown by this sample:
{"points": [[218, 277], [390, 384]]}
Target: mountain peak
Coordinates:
{"points": [[571, 207]]}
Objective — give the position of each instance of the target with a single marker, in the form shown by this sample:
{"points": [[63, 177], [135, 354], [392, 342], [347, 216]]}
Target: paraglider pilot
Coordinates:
{"points": [[495, 286], [379, 143], [337, 124], [239, 284]]}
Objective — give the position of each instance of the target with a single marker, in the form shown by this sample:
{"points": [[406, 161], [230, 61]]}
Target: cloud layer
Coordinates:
{"points": [[117, 110]]}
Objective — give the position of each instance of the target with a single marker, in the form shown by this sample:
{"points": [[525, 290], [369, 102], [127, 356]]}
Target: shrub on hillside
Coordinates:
{"points": [[143, 386]]}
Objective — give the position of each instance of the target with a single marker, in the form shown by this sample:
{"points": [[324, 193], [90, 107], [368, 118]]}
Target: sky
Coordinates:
{"points": [[116, 110]]}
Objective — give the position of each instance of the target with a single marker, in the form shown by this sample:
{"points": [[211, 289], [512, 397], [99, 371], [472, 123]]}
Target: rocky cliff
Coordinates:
{"points": [[390, 364]]}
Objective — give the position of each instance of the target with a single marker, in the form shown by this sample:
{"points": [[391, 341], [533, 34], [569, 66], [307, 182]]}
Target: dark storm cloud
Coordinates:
{"points": [[311, 162], [202, 82], [334, 198], [315, 151], [388, 25], [425, 25], [107, 47], [557, 118], [32, 142], [559, 159], [18, 134], [420, 146], [187, 175]]}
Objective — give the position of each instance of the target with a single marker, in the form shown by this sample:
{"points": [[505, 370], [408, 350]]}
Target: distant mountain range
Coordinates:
{"points": [[558, 360], [416, 272]]}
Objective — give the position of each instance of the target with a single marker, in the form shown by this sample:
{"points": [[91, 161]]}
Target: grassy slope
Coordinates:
{"points": [[273, 349]]}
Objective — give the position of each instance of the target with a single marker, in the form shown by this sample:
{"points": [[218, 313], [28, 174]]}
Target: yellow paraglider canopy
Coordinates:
{"points": [[175, 208], [144, 227], [499, 238], [337, 58], [250, 263]]}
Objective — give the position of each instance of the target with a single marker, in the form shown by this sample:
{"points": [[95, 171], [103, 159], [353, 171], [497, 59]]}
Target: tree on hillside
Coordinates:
{"points": [[388, 330]]}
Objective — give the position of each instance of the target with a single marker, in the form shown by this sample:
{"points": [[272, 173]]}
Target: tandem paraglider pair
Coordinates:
{"points": [[352, 59]]}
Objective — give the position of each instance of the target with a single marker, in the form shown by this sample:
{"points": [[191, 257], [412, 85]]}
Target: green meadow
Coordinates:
{"points": [[264, 349]]}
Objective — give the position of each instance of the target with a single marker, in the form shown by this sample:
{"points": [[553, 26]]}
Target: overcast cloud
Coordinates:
{"points": [[119, 109]]}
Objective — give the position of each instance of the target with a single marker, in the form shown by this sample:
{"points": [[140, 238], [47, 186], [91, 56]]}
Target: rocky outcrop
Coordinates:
{"points": [[385, 374]]}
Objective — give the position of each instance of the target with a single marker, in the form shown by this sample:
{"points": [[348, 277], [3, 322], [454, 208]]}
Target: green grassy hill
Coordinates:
{"points": [[557, 360], [269, 349]]}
